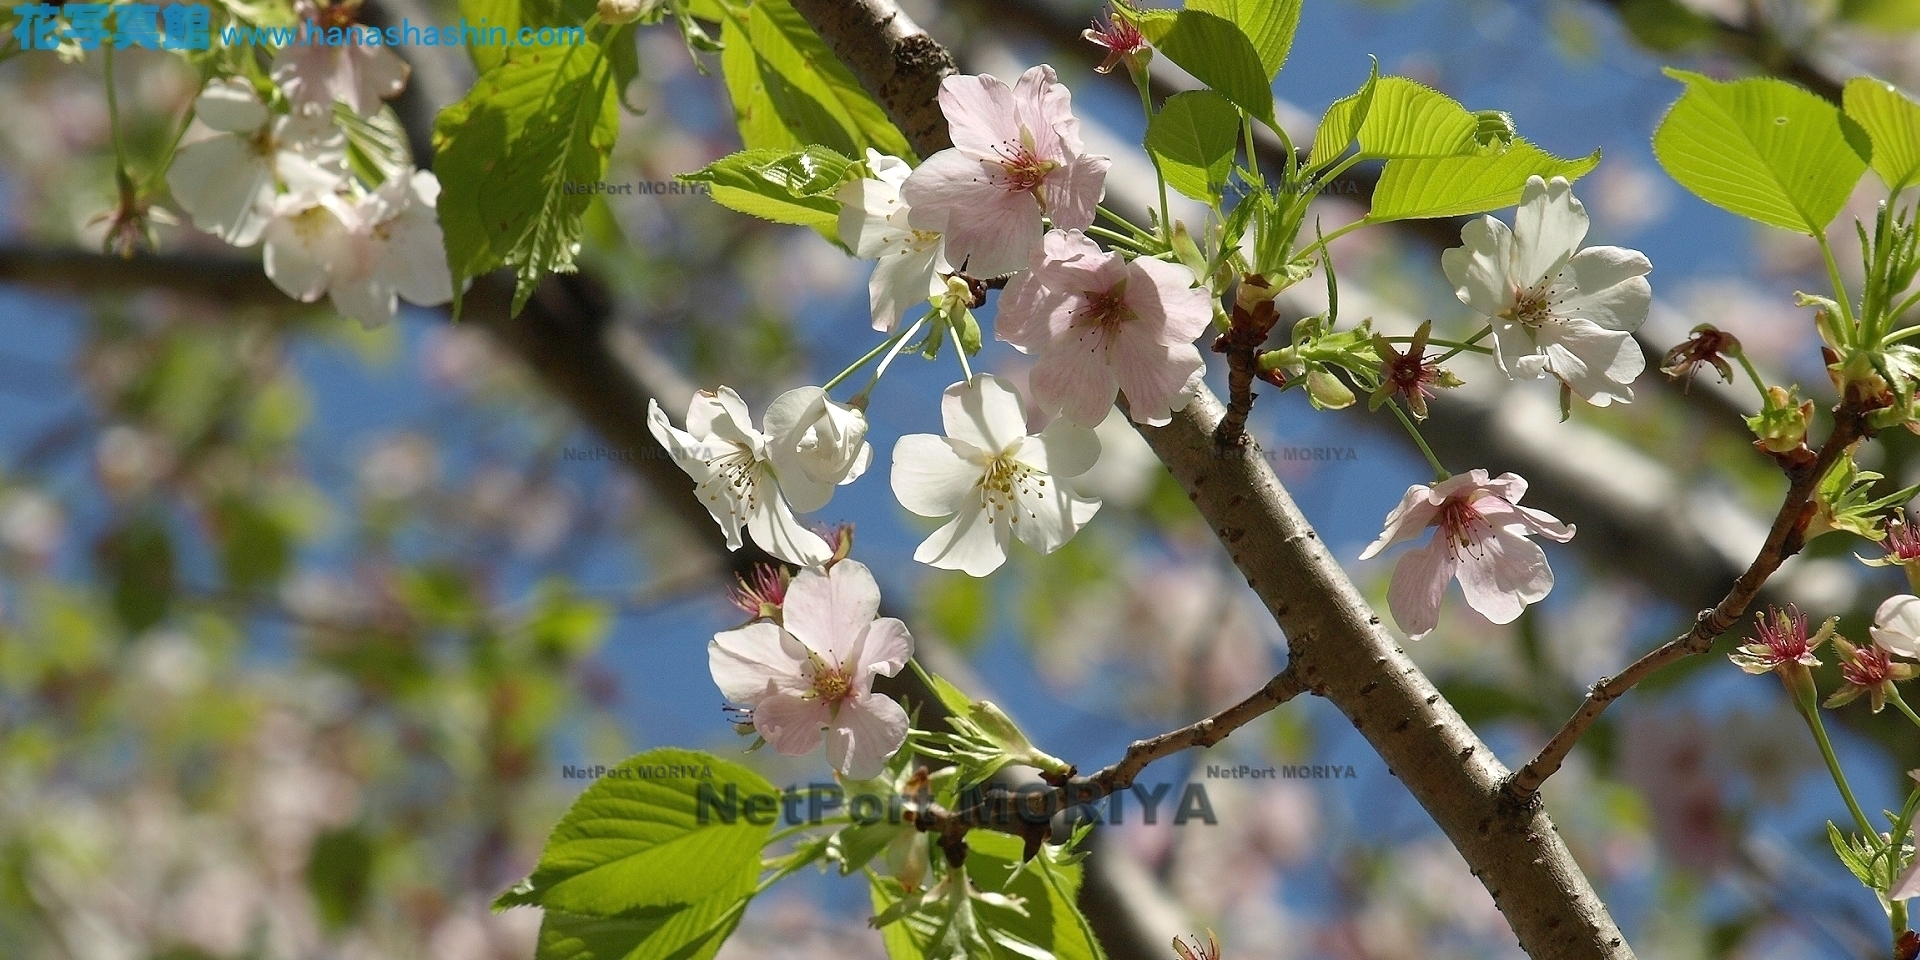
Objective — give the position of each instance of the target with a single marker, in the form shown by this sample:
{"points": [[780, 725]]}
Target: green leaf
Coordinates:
{"points": [[1854, 858], [692, 932], [1888, 16], [1219, 55], [510, 155], [1457, 186], [1393, 118], [377, 145], [1892, 122], [1666, 24], [784, 186], [1268, 24], [633, 846], [790, 91], [1762, 148], [1194, 135]]}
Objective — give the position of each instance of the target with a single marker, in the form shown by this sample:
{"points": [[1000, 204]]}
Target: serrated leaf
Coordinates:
{"points": [[790, 91], [633, 846], [1194, 135], [692, 932], [1456, 186], [784, 186], [1892, 122], [1762, 148], [1850, 857], [1219, 55], [508, 153], [1401, 119], [1268, 24]]}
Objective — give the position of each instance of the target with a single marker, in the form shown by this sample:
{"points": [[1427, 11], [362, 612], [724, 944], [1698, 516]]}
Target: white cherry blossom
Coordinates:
{"points": [[1556, 310], [873, 224], [809, 677], [995, 480], [1896, 625], [317, 74], [1480, 536], [816, 445], [240, 155], [733, 471], [365, 251]]}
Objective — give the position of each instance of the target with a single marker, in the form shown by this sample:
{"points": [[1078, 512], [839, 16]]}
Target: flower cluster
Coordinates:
{"points": [[248, 172]]}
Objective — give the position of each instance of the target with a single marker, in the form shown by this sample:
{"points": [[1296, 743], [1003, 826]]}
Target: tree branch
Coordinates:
{"points": [[1338, 647], [1784, 540]]}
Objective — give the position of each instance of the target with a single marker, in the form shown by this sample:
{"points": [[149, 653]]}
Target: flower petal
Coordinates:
{"points": [[1501, 573], [1481, 271], [1414, 513], [1607, 286], [1896, 625], [866, 732], [972, 543], [985, 411], [754, 662], [932, 476], [792, 725], [830, 611], [886, 649], [1419, 581], [1548, 227], [772, 525]]}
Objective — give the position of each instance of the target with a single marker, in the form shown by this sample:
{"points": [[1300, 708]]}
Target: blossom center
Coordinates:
{"points": [[1005, 481], [1106, 310], [831, 684], [735, 470], [1531, 308], [1023, 167]]}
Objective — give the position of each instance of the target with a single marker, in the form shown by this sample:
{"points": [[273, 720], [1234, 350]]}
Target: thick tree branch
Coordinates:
{"points": [[1338, 647], [1784, 540]]}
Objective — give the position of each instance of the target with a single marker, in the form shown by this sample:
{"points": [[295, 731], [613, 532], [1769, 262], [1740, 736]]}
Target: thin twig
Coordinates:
{"points": [[1783, 541]]}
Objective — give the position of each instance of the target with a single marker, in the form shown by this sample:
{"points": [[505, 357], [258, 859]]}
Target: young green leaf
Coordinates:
{"points": [[782, 186], [790, 91], [1762, 148], [376, 145], [1892, 122], [637, 845], [1219, 55], [510, 157], [692, 932], [1395, 118], [1194, 135], [1414, 189], [1268, 24]]}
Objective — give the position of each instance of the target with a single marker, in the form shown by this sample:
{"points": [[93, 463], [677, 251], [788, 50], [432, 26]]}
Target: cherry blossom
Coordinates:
{"points": [[733, 473], [1556, 309], [874, 224], [317, 74], [241, 155], [364, 252], [1482, 538], [994, 479], [1016, 158], [1101, 325], [1781, 640], [816, 445], [1896, 625], [812, 672]]}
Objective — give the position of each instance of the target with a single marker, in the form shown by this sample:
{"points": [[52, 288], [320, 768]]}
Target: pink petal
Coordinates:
{"points": [[1043, 106], [1502, 573], [1419, 581], [791, 724], [885, 649], [754, 662], [1074, 191], [1074, 378], [1153, 375], [1415, 513], [865, 733], [980, 114], [829, 611], [1163, 297]]}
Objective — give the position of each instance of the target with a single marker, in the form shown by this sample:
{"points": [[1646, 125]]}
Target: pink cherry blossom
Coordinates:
{"points": [[1016, 157], [810, 676], [1101, 325], [1482, 538]]}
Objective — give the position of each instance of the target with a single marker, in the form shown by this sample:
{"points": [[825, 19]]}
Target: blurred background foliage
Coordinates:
{"points": [[299, 623]]}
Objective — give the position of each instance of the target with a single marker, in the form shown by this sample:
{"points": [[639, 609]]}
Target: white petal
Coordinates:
{"points": [[1547, 228], [971, 542], [1896, 625], [1481, 271], [902, 281], [985, 412], [772, 525], [225, 185], [935, 476], [1048, 516], [887, 648], [1607, 286], [1063, 449], [230, 105]]}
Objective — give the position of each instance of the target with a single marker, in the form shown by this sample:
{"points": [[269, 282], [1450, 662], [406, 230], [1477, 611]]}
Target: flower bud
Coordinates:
{"points": [[815, 444], [1781, 424], [614, 12], [1326, 391]]}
